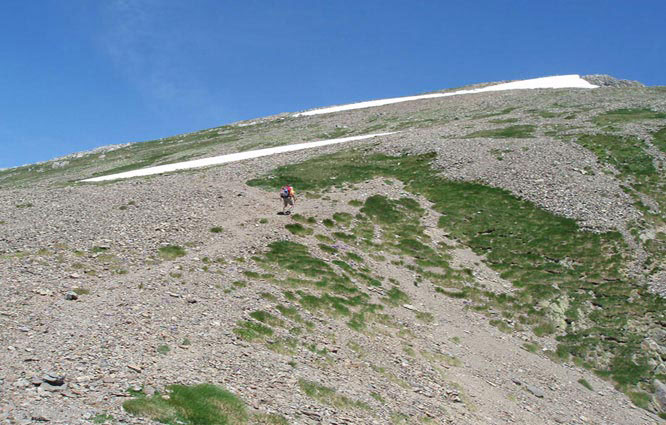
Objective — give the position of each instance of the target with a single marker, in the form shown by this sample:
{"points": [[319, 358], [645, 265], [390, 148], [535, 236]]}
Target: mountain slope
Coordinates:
{"points": [[492, 268]]}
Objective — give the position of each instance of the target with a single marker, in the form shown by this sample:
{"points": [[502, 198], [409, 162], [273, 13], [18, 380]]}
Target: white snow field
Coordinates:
{"points": [[222, 159], [554, 82]]}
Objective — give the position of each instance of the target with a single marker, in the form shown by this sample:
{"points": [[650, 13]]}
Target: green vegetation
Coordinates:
{"points": [[216, 229], [252, 331], [531, 347], [327, 248], [511, 132], [102, 418], [203, 404], [396, 297], [329, 396], [568, 282], [619, 116], [586, 384], [659, 139], [267, 318], [624, 153], [163, 349], [298, 229], [171, 252]]}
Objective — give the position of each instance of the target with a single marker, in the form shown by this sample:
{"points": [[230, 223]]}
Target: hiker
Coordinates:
{"points": [[288, 198]]}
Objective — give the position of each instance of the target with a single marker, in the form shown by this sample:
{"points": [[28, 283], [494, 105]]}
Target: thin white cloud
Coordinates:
{"points": [[145, 47]]}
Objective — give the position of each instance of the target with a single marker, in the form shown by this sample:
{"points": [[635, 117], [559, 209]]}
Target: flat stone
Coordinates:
{"points": [[53, 379], [52, 388], [536, 391], [660, 394]]}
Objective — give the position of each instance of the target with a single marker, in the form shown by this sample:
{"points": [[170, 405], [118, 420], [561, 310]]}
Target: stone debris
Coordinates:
{"points": [[150, 322]]}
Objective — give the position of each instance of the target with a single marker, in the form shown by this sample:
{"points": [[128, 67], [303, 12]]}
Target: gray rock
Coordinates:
{"points": [[71, 296], [604, 80], [53, 388], [660, 394], [536, 391], [53, 379]]}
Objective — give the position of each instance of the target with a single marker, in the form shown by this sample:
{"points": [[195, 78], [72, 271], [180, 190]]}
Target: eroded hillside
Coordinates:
{"points": [[496, 261]]}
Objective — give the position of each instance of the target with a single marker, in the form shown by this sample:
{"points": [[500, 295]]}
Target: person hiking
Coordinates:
{"points": [[288, 198]]}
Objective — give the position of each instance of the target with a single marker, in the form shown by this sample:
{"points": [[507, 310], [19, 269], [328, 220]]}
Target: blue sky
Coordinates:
{"points": [[77, 74]]}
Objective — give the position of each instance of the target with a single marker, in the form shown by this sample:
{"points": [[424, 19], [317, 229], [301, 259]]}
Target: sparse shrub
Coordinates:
{"points": [[395, 297], [329, 396], [298, 229], [216, 229], [327, 248], [171, 252], [586, 384], [252, 331], [102, 418]]}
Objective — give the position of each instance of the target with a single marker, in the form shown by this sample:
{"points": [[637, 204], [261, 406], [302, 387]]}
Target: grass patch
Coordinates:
{"points": [[396, 297], [171, 252], [327, 248], [659, 139], [163, 349], [625, 115], [531, 347], [102, 418], [586, 384], [329, 396], [298, 229], [446, 359], [216, 229], [267, 318], [342, 218], [252, 331], [203, 404], [290, 313], [511, 132], [626, 154], [424, 317]]}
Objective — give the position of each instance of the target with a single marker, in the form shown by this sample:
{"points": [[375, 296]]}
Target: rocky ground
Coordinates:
{"points": [[89, 305]]}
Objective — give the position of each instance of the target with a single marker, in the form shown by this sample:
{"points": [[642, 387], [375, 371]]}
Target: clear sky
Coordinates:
{"points": [[78, 74]]}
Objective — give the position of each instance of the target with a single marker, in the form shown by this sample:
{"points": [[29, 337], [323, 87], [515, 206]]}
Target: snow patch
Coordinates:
{"points": [[554, 82], [223, 159]]}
